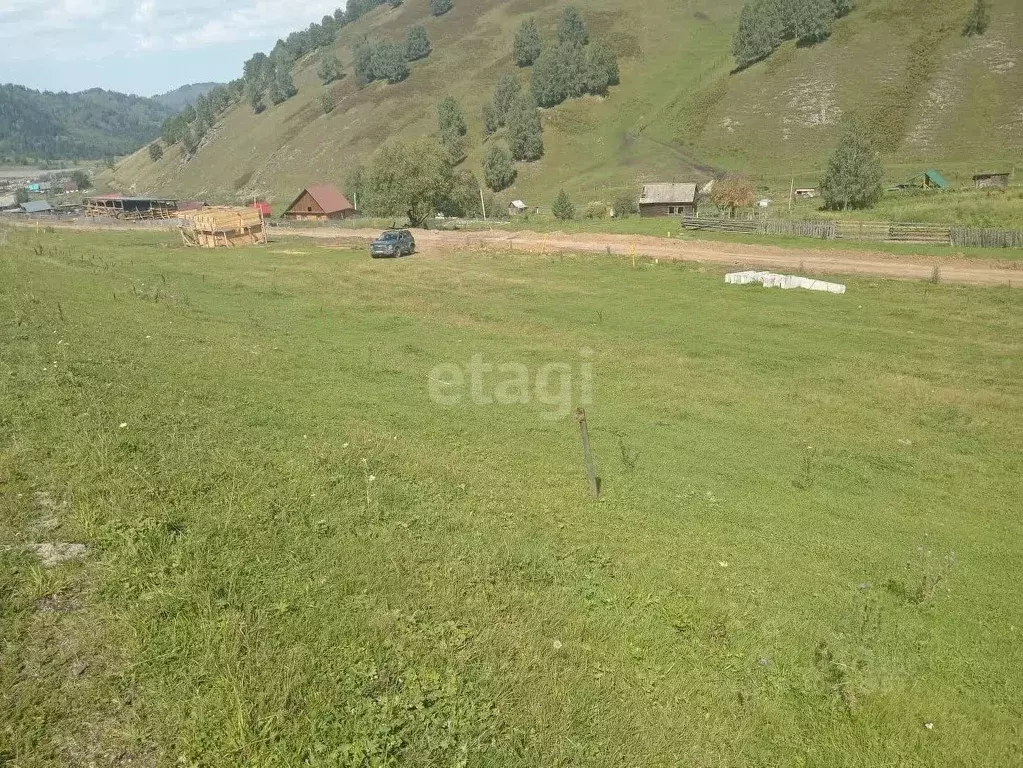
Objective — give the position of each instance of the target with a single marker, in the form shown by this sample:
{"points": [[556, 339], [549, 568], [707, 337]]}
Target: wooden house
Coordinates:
{"points": [[668, 200], [320, 202]]}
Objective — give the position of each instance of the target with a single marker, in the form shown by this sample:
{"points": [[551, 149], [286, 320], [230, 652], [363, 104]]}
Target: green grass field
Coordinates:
{"points": [[806, 550]]}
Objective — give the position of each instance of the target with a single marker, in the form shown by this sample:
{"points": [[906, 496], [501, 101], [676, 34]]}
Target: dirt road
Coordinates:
{"points": [[732, 255]]}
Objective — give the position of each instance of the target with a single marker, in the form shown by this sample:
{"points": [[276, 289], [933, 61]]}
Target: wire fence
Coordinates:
{"points": [[877, 231]]}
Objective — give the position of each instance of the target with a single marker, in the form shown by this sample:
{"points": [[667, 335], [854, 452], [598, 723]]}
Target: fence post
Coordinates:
{"points": [[591, 472]]}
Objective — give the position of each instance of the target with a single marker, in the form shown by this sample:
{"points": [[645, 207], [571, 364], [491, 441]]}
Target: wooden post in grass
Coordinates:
{"points": [[591, 472]]}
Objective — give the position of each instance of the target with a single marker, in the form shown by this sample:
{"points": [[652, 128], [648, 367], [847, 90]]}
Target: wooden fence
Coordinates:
{"points": [[880, 231]]}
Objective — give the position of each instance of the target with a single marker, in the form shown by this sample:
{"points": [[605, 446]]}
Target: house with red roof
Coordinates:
{"points": [[319, 203]]}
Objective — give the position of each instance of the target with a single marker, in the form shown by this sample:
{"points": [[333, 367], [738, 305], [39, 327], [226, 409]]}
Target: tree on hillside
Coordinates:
{"points": [[452, 127], [978, 19], [601, 68], [525, 133], [409, 179], [527, 43], [155, 151], [327, 101], [81, 179], [188, 113], [571, 29], [733, 193], [498, 169], [842, 7], [811, 20], [490, 120], [389, 62], [417, 43], [562, 207], [329, 69], [506, 91], [559, 73], [189, 141], [364, 63], [440, 7], [172, 129], [855, 172], [281, 87], [760, 31]]}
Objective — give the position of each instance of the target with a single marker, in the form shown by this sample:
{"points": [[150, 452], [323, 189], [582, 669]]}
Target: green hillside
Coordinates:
{"points": [[181, 97], [930, 95]]}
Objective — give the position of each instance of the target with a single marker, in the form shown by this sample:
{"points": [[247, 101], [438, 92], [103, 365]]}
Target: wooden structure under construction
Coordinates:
{"points": [[223, 227], [132, 208]]}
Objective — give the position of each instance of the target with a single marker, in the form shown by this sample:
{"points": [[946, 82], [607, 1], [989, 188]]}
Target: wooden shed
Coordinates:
{"points": [[320, 202], [668, 200], [991, 180]]}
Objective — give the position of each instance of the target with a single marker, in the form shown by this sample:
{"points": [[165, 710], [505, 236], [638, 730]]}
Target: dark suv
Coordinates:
{"points": [[393, 242]]}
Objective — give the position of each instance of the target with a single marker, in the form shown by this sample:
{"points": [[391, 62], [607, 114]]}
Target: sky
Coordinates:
{"points": [[141, 46]]}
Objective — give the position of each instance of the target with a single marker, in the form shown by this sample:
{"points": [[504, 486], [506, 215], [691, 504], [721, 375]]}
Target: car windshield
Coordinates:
{"points": [[389, 236]]}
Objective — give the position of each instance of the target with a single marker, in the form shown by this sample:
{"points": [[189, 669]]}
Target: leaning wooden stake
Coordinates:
{"points": [[591, 473]]}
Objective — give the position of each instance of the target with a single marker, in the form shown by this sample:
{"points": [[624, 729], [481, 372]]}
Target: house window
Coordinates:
{"points": [[309, 208], [671, 209]]}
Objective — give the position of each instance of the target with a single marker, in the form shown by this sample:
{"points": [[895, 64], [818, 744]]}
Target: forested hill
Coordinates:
{"points": [[40, 125], [181, 97]]}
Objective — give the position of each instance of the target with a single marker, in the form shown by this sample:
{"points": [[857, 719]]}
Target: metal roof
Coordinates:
{"points": [[327, 196], [519, 204], [668, 193], [36, 206]]}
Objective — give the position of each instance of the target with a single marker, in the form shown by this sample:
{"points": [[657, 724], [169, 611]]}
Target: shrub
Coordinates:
{"points": [[440, 7], [389, 62], [329, 69], [978, 20], [155, 151]]}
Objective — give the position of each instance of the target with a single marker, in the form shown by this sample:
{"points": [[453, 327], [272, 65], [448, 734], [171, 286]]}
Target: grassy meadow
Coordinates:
{"points": [[806, 549]]}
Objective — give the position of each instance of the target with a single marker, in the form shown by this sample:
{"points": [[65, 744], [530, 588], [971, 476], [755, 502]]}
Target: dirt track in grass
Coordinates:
{"points": [[732, 255]]}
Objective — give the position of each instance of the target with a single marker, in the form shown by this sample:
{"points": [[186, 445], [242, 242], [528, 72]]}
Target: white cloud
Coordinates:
{"points": [[82, 31]]}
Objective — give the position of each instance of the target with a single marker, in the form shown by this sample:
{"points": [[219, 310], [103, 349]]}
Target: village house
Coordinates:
{"points": [[320, 202], [668, 200], [517, 208]]}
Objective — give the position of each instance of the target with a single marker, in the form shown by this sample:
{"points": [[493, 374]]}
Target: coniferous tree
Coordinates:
{"points": [[761, 30], [811, 20], [527, 43], [490, 121], [440, 7], [854, 175], [562, 207], [498, 169], [505, 92], [525, 133], [842, 7], [364, 63], [978, 19], [571, 28], [601, 69], [329, 69], [417, 44]]}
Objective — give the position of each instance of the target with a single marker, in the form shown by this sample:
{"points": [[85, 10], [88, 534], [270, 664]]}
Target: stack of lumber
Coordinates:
{"points": [[227, 227]]}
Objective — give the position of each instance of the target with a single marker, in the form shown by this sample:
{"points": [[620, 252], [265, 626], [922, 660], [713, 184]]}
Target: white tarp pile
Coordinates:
{"points": [[772, 280]]}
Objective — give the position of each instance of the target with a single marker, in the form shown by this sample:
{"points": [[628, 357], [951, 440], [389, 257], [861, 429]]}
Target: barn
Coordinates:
{"points": [[319, 203], [668, 200]]}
